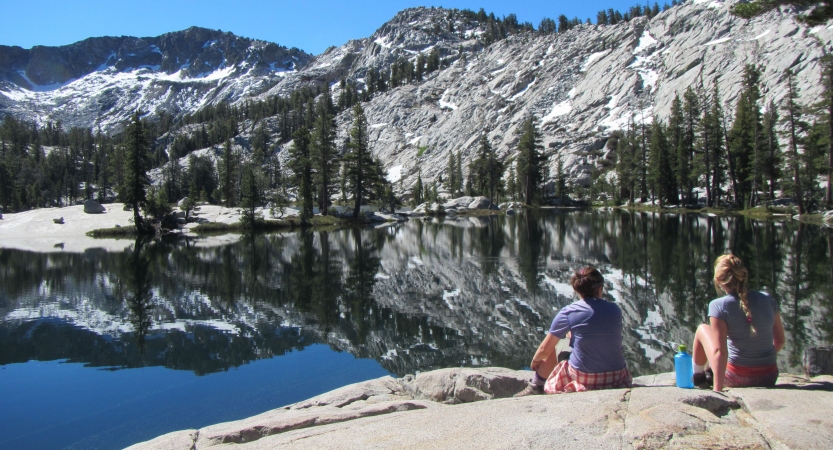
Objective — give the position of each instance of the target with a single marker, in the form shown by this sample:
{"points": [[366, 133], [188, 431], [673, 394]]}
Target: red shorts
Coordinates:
{"points": [[743, 376], [565, 379]]}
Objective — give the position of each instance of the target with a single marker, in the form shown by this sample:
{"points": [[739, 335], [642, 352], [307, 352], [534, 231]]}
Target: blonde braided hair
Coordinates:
{"points": [[731, 276]]}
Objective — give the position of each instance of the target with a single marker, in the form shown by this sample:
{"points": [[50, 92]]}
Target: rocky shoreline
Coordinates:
{"points": [[447, 408]]}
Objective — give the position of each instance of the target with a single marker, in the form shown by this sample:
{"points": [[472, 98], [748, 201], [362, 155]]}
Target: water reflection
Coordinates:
{"points": [[415, 296]]}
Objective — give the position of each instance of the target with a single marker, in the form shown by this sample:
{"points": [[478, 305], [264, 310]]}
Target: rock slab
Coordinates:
{"points": [[442, 409]]}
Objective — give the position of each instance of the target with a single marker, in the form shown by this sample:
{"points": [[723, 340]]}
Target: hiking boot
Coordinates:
{"points": [[704, 379], [531, 389]]}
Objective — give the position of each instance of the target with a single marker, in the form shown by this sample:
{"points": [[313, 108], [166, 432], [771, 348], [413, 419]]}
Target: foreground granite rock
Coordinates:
{"points": [[442, 409]]}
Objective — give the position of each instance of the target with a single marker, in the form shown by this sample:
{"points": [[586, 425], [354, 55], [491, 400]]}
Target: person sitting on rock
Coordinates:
{"points": [[595, 329], [744, 334]]}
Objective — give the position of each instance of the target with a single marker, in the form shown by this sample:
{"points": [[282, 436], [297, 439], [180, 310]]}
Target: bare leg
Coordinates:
{"points": [[704, 345]]}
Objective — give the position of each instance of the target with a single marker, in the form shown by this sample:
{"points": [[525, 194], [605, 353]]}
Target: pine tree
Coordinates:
{"points": [[531, 160], [793, 124], [433, 62], [813, 163], [260, 144], [228, 175], [744, 138], [661, 174], [251, 190], [452, 173], [370, 82], [359, 161], [301, 165], [420, 67], [5, 184], [715, 124], [136, 166], [324, 152], [512, 184], [626, 163], [416, 193], [487, 169], [703, 145], [771, 149], [677, 143], [343, 184], [458, 176], [643, 151], [825, 109], [685, 156], [191, 200], [561, 179]]}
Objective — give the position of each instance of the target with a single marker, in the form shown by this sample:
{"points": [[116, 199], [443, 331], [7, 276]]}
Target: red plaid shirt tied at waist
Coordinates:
{"points": [[564, 378]]}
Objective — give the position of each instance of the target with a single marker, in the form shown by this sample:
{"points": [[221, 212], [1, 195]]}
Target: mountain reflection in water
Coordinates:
{"points": [[414, 296]]}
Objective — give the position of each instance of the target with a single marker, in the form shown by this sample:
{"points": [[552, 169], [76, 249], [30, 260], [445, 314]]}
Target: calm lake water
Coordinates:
{"points": [[106, 349]]}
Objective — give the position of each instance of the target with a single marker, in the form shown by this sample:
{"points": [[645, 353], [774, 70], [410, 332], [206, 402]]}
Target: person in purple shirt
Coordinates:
{"points": [[594, 327]]}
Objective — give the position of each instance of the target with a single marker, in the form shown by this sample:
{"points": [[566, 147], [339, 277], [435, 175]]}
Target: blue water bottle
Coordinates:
{"points": [[683, 368]]}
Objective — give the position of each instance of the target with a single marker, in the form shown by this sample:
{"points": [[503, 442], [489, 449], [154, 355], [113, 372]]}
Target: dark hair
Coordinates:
{"points": [[586, 281]]}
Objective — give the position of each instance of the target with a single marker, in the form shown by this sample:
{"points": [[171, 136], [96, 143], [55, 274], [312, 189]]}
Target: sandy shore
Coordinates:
{"points": [[36, 231]]}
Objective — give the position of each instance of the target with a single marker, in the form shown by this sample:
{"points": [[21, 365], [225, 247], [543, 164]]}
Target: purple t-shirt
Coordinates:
{"points": [[745, 349], [597, 334]]}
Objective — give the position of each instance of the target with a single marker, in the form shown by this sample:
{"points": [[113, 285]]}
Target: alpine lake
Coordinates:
{"points": [[105, 349]]}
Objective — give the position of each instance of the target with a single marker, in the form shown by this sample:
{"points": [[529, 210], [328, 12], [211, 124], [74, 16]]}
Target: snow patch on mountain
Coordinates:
{"points": [[558, 110]]}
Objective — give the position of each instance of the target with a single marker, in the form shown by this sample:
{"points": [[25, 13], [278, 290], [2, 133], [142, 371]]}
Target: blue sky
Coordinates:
{"points": [[311, 25]]}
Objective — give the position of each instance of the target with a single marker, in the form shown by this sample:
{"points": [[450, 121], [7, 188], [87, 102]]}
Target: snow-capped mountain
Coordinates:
{"points": [[99, 82]]}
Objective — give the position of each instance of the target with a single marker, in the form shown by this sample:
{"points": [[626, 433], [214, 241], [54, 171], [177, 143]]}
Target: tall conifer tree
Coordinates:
{"points": [[531, 160], [771, 148], [488, 170], [451, 169], [416, 193], [793, 124], [825, 108], [359, 161], [744, 138], [661, 174], [324, 152], [685, 156], [136, 181], [677, 145], [301, 164], [228, 175]]}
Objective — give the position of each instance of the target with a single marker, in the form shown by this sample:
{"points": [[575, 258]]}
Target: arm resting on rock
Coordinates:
{"points": [[778, 337], [720, 358]]}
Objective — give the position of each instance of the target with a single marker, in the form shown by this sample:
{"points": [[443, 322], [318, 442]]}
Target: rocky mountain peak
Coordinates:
{"points": [[101, 81]]}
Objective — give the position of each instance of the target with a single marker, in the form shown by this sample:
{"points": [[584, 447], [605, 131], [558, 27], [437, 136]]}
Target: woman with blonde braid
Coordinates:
{"points": [[744, 335]]}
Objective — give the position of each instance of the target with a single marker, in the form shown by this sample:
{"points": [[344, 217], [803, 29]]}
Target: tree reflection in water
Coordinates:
{"points": [[138, 295], [415, 296]]}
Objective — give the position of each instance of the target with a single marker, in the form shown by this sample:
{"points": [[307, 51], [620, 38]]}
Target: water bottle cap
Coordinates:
{"points": [[682, 348]]}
